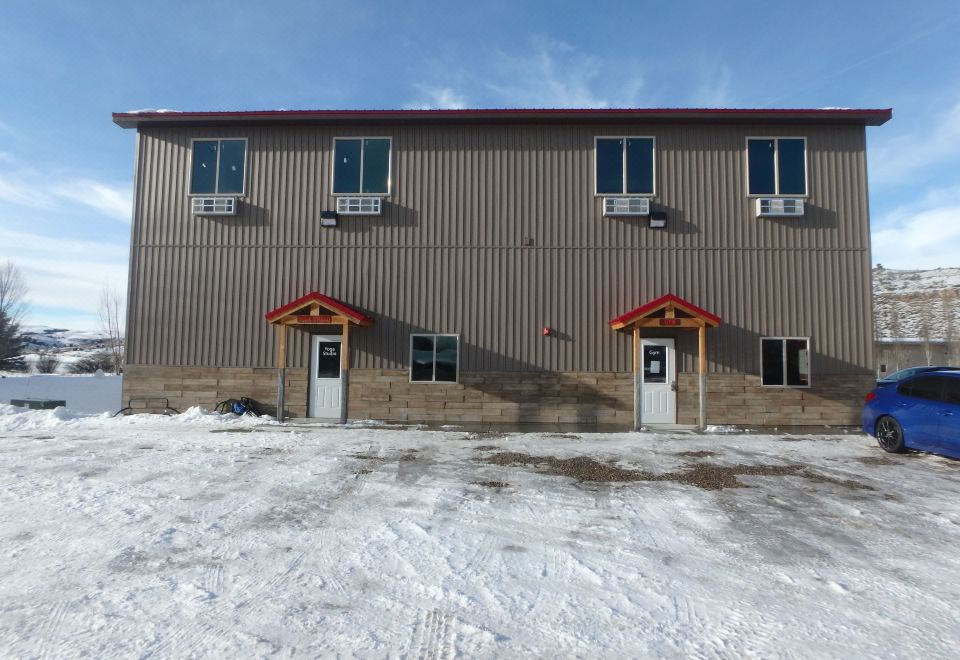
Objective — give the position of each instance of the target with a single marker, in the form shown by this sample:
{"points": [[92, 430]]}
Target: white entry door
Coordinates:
{"points": [[658, 382], [325, 393]]}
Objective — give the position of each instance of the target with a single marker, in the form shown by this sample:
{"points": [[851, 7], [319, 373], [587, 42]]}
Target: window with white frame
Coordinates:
{"points": [[361, 166], [218, 166], [785, 361], [434, 358], [777, 166], [624, 165]]}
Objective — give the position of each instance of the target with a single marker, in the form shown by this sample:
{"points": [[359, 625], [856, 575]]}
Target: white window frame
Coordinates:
{"points": [[809, 364], [776, 166], [246, 150], [333, 168], [624, 186], [434, 381]]}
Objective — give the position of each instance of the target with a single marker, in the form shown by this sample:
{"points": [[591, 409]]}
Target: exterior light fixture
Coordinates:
{"points": [[658, 220], [328, 218]]}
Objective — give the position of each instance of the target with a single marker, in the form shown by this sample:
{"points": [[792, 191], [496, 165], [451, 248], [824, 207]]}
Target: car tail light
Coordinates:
{"points": [[871, 396]]}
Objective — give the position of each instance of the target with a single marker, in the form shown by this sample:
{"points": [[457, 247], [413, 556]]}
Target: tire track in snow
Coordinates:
{"points": [[433, 636], [50, 627], [212, 623]]}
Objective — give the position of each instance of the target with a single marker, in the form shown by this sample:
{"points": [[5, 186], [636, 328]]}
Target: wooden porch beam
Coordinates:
{"points": [[281, 369], [702, 365]]}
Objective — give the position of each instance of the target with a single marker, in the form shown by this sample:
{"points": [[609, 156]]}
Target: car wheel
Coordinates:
{"points": [[889, 435]]}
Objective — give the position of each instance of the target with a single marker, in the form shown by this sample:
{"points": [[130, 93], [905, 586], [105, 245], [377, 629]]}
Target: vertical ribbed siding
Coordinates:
{"points": [[494, 232]]}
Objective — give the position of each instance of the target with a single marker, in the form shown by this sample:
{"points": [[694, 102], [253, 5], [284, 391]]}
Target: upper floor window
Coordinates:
{"points": [[434, 358], [218, 167], [361, 166], [625, 165], [785, 361], [777, 166]]}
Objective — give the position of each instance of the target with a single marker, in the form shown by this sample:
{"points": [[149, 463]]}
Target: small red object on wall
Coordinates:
{"points": [[547, 332]]}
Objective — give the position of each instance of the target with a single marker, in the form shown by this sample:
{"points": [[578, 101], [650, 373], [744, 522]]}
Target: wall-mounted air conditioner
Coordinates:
{"points": [[779, 207], [359, 205], [614, 206], [213, 205]]}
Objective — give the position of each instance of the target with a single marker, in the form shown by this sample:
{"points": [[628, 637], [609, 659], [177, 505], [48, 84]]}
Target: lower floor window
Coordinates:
{"points": [[785, 361], [434, 358]]}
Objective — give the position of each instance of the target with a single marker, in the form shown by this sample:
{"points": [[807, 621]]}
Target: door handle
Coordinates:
{"points": [[673, 385]]}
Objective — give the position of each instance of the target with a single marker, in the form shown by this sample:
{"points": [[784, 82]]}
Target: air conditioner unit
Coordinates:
{"points": [[213, 205], [779, 207], [613, 206], [359, 205]]}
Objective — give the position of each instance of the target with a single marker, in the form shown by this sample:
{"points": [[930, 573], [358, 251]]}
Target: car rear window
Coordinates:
{"points": [[923, 387], [951, 389]]}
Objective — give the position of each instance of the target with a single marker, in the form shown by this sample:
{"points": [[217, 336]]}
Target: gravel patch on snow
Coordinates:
{"points": [[208, 535]]}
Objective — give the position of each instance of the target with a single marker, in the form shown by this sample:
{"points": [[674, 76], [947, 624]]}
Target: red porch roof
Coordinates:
{"points": [[654, 306], [316, 298]]}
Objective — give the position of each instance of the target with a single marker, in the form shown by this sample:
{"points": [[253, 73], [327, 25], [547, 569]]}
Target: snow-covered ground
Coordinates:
{"points": [[89, 394], [206, 537]]}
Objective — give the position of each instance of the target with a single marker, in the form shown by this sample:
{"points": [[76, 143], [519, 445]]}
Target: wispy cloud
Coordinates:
{"points": [[109, 200], [6, 128], [714, 90], [922, 234], [65, 274], [899, 159], [555, 74], [437, 98], [547, 73], [27, 189]]}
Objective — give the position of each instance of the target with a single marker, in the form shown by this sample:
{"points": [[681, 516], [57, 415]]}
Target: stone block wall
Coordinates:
{"points": [[497, 397], [603, 399], [740, 400], [208, 386]]}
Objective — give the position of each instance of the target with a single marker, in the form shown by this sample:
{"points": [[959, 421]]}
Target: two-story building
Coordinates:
{"points": [[610, 267]]}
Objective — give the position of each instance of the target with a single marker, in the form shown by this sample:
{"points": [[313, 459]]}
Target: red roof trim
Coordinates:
{"points": [[315, 297], [652, 306], [874, 116]]}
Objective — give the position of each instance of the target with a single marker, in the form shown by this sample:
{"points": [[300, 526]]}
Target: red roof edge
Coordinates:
{"points": [[646, 308], [870, 116], [316, 297]]}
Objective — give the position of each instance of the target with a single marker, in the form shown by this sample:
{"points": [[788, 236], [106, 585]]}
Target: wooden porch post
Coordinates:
{"points": [[636, 379], [281, 369], [702, 363], [344, 371]]}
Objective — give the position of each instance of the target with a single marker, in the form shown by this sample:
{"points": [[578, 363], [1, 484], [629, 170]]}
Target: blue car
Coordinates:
{"points": [[920, 412], [897, 376]]}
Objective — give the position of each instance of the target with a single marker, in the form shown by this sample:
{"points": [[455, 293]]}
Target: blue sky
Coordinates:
{"points": [[65, 169]]}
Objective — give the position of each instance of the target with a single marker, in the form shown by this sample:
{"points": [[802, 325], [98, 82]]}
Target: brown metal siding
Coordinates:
{"points": [[449, 253]]}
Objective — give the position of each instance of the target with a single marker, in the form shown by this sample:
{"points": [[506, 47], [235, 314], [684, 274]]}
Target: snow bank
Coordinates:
{"points": [[14, 418], [85, 394]]}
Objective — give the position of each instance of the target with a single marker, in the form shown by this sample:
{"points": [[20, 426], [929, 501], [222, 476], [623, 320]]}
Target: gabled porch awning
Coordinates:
{"points": [[317, 309], [668, 312], [310, 310], [662, 312]]}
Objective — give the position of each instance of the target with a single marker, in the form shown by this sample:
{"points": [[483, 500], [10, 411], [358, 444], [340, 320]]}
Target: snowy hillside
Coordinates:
{"points": [[42, 337], [68, 346], [917, 304]]}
